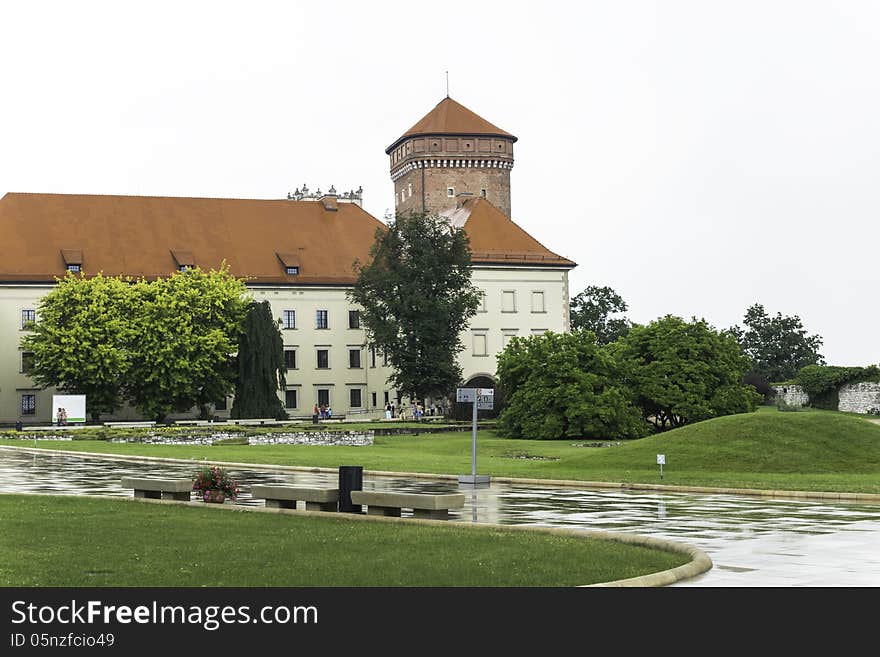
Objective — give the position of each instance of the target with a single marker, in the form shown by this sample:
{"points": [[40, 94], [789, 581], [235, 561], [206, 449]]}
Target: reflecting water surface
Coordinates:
{"points": [[752, 541]]}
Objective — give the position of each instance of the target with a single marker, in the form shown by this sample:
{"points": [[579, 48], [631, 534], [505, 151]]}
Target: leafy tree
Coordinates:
{"points": [[186, 332], [778, 346], [81, 342], [591, 310], [563, 386], [417, 297], [261, 369], [685, 372]]}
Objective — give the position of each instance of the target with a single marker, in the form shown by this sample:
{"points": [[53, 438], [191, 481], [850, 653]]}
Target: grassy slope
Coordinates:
{"points": [[45, 542], [807, 450]]}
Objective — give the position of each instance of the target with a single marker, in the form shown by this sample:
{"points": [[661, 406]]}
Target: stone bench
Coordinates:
{"points": [[424, 505], [126, 425], [165, 489], [286, 497], [254, 421]]}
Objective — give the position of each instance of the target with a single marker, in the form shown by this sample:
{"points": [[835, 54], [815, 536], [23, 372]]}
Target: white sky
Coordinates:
{"points": [[696, 156]]}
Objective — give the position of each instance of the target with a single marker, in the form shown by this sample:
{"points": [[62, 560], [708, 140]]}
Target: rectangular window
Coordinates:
{"points": [[27, 362], [355, 394], [323, 397], [483, 193], [290, 398], [28, 317], [354, 319], [321, 319], [450, 191], [323, 359], [354, 358], [537, 302], [288, 321], [508, 301], [387, 398], [291, 271], [74, 268], [481, 344], [28, 404], [373, 399], [372, 356], [220, 404], [482, 308], [290, 359]]}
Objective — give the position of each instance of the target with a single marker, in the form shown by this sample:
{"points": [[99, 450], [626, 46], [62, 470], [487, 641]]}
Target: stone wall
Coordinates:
{"points": [[791, 395], [860, 398]]}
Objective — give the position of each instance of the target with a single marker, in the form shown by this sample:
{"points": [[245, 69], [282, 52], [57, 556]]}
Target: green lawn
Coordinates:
{"points": [[804, 450], [69, 541]]}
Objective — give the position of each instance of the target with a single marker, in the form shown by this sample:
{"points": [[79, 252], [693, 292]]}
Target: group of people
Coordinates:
{"points": [[61, 416], [322, 412], [417, 411]]}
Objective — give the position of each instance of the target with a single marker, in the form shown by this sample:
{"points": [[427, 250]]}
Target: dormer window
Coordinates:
{"points": [[73, 259], [290, 262], [184, 260]]}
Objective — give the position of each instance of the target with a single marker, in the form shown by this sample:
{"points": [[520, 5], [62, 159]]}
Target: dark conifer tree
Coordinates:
{"points": [[261, 370]]}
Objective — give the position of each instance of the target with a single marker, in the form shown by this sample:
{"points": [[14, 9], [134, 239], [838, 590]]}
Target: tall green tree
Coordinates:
{"points": [[417, 297], [778, 346], [261, 369], [186, 333], [81, 343], [685, 372], [565, 386], [592, 310]]}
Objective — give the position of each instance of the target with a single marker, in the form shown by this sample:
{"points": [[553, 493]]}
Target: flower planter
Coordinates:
{"points": [[214, 496]]}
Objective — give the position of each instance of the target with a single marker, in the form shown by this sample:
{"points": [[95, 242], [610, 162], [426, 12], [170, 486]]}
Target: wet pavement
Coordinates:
{"points": [[752, 541]]}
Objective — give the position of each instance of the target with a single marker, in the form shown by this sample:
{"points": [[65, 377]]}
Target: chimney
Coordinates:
{"points": [[329, 200]]}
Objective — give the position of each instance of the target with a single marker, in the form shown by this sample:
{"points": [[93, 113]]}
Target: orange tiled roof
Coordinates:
{"points": [[495, 239], [140, 235], [451, 118], [144, 236]]}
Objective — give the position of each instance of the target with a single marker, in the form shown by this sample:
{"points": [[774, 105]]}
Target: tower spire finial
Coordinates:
{"points": [[447, 84]]}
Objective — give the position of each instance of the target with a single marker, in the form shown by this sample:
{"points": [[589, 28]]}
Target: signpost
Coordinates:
{"points": [[661, 461], [482, 399]]}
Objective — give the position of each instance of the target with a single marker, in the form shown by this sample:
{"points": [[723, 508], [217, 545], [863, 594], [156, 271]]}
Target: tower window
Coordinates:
{"points": [[291, 271], [483, 193], [450, 191]]}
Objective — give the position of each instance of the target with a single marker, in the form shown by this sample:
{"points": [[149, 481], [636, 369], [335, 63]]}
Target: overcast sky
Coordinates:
{"points": [[697, 157]]}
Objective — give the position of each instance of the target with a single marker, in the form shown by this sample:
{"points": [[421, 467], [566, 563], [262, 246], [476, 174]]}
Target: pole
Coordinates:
{"points": [[474, 451]]}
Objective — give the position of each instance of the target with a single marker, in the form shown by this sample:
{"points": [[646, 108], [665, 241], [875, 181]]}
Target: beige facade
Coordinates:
{"points": [[517, 302]]}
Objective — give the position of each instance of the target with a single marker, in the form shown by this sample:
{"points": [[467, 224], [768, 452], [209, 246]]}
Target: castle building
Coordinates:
{"points": [[451, 163]]}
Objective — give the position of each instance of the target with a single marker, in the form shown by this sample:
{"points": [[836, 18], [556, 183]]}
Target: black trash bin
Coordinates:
{"points": [[18, 426], [351, 477]]}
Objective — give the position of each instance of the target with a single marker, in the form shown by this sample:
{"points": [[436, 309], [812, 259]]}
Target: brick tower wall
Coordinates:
{"points": [[427, 186]]}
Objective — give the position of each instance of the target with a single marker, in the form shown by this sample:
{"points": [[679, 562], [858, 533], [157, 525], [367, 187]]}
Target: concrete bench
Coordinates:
{"points": [[286, 497], [254, 421], [198, 423], [424, 505], [165, 489], [125, 425]]}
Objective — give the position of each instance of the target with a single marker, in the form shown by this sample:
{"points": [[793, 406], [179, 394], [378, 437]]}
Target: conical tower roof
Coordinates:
{"points": [[452, 118]]}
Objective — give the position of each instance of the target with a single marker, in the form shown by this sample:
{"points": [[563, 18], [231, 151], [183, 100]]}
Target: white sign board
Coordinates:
{"points": [[661, 459], [73, 405], [485, 399], [465, 394]]}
